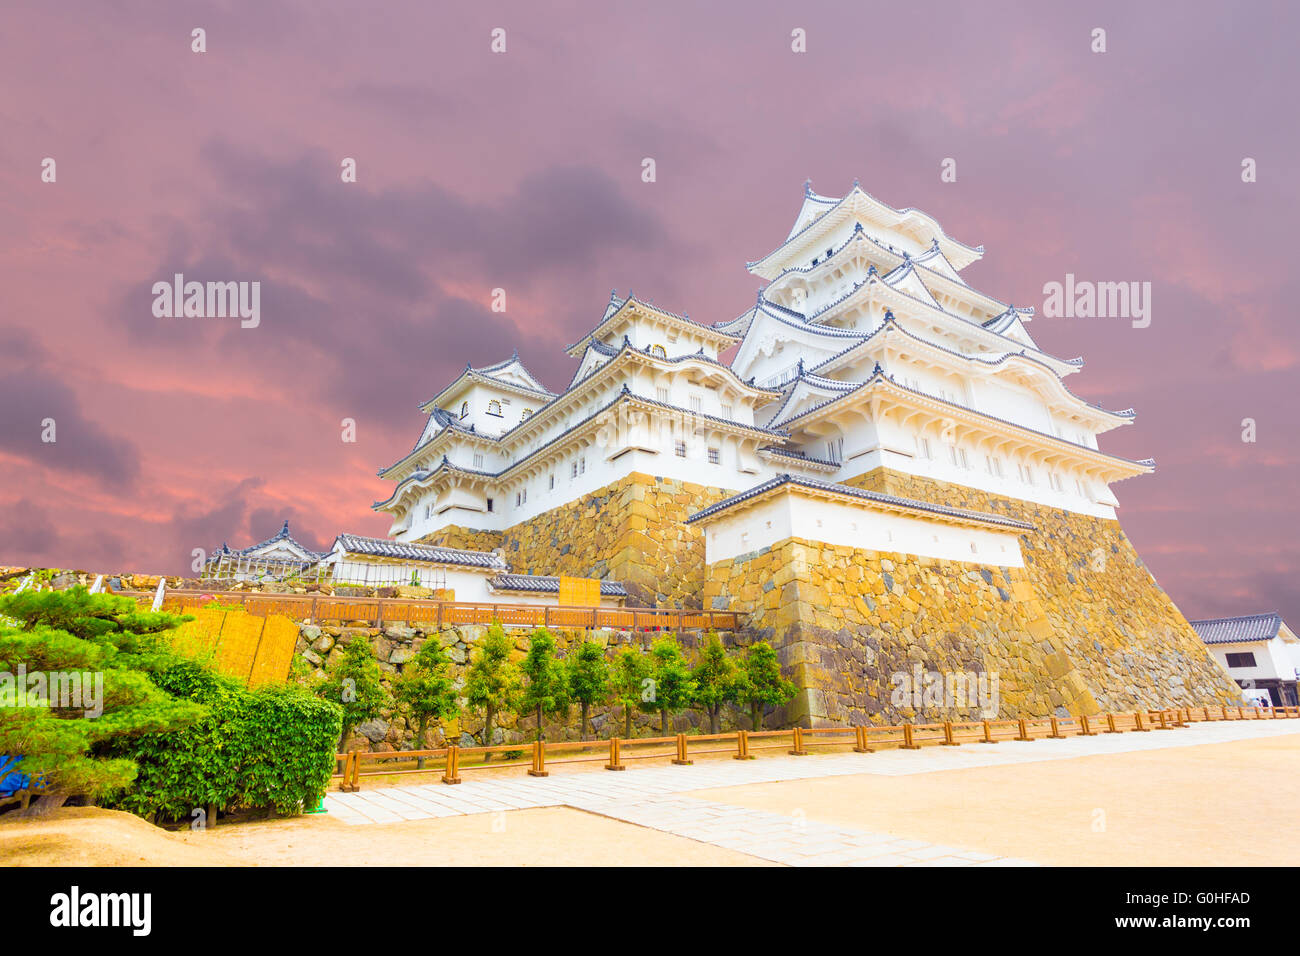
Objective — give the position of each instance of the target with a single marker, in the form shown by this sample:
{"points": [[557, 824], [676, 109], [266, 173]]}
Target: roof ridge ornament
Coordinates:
{"points": [[807, 187], [889, 315]]}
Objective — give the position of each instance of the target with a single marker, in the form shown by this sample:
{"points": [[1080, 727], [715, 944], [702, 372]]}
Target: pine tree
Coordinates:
{"points": [[426, 691], [56, 717], [628, 680], [546, 690], [353, 681], [673, 684], [715, 680], [588, 674], [760, 683], [492, 682]]}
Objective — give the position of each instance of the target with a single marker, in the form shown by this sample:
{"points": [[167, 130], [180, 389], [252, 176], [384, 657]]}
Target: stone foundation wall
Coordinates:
{"points": [[631, 531], [395, 645], [1082, 628]]}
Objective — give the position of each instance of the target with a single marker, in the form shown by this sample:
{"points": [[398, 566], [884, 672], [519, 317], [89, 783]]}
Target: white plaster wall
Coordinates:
{"points": [[1273, 660], [855, 525]]}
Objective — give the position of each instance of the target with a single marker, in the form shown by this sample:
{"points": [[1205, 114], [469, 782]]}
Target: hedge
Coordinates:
{"points": [[270, 748]]}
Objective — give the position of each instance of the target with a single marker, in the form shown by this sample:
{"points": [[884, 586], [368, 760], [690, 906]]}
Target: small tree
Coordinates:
{"points": [[87, 689], [715, 680], [546, 691], [492, 682], [760, 683], [627, 681], [426, 690], [588, 674], [673, 684], [353, 681]]}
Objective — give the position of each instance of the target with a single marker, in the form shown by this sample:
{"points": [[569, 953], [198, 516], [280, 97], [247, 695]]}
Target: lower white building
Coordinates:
{"points": [[1260, 653]]}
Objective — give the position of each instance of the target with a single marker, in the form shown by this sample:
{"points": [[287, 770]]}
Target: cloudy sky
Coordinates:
{"points": [[522, 171]]}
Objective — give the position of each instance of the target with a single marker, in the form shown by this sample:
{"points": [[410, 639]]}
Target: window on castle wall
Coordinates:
{"points": [[715, 456], [658, 351], [679, 449], [1244, 659], [728, 412], [489, 504], [697, 403], [661, 393], [494, 408], [552, 488], [573, 469], [478, 461]]}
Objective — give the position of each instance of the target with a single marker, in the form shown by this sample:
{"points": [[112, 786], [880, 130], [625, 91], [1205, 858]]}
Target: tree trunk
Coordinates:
{"points": [[539, 722], [714, 714], [627, 721], [756, 715], [487, 732], [663, 722], [419, 741], [45, 803], [585, 707]]}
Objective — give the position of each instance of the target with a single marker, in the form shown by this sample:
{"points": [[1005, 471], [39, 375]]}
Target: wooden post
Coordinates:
{"points": [[1085, 727], [742, 746], [798, 750], [1024, 731], [988, 734], [452, 772], [615, 763], [862, 746], [1164, 725], [1110, 725], [1056, 730], [1240, 714], [683, 758], [947, 736], [1205, 712], [1137, 722], [908, 743], [356, 771], [538, 769]]}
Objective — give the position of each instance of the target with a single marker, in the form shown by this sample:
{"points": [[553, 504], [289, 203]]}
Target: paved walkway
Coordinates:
{"points": [[650, 795]]}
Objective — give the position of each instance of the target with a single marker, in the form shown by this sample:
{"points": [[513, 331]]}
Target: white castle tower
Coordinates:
{"points": [[885, 357]]}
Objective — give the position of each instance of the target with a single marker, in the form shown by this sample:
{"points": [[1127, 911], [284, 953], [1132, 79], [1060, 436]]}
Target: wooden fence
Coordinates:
{"points": [[317, 608], [453, 760]]}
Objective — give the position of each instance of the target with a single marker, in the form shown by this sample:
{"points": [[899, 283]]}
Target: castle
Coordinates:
{"points": [[888, 476]]}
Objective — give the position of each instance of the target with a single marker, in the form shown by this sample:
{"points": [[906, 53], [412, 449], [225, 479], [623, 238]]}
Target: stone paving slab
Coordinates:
{"points": [[654, 796]]}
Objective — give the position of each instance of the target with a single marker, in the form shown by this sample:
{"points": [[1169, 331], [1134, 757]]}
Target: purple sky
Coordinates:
{"points": [[523, 171]]}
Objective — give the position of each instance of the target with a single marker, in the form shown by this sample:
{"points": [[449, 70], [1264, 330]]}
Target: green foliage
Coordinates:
{"points": [[174, 735], [588, 676], [492, 680], [90, 642], [715, 680], [546, 687], [353, 683], [674, 686], [760, 684], [628, 681], [268, 748], [425, 689]]}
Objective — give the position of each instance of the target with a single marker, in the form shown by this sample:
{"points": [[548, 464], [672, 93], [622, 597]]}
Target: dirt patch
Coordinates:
{"points": [[90, 836]]}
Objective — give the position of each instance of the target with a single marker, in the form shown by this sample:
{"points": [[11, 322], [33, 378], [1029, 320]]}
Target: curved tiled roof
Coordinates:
{"points": [[1247, 629], [281, 535], [547, 584], [387, 548], [893, 501]]}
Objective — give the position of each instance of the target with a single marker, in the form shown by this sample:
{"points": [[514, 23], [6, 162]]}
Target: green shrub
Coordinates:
{"points": [[270, 748]]}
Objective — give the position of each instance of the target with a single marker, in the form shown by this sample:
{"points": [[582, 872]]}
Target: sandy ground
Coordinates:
{"points": [[1233, 803], [547, 837]]}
